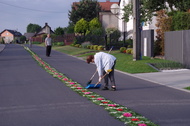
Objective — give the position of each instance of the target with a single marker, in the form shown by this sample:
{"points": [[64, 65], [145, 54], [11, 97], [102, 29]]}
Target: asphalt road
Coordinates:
{"points": [[31, 97]]}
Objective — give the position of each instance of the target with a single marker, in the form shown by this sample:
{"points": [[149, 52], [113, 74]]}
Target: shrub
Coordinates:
{"points": [[36, 42], [122, 49], [129, 46], [60, 43], [95, 47], [77, 45], [129, 51], [91, 46], [100, 47], [85, 44], [88, 46], [73, 44], [129, 43]]}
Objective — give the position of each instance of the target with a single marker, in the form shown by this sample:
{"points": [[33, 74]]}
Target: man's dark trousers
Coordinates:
{"points": [[48, 50]]}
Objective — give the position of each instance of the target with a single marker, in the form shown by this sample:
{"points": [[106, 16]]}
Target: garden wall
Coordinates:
{"points": [[177, 46]]}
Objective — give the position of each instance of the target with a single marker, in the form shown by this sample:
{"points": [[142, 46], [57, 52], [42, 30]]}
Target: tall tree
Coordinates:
{"points": [[87, 9], [59, 31], [148, 8], [32, 28]]}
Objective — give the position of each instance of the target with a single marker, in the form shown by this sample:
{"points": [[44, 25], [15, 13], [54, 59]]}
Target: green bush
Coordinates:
{"points": [[60, 43], [129, 43], [180, 21], [129, 46], [77, 45], [85, 44], [129, 51], [36, 42], [73, 44], [122, 49], [100, 47], [88, 46], [91, 46], [95, 47]]}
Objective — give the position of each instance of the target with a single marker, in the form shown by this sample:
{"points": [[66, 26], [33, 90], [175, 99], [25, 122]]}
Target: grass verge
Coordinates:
{"points": [[124, 63]]}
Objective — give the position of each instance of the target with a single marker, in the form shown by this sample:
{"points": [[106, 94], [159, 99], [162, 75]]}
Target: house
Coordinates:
{"points": [[29, 35], [107, 19], [45, 30], [128, 26], [10, 36]]}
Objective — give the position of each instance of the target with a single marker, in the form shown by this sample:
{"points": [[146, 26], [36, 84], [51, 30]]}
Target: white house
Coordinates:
{"points": [[128, 26]]}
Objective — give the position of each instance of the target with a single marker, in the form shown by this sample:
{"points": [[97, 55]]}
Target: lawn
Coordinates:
{"points": [[124, 63]]}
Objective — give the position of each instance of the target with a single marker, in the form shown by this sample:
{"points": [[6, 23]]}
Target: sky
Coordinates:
{"points": [[17, 14]]}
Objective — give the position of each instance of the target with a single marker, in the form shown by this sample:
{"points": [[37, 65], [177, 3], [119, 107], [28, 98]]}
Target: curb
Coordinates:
{"points": [[2, 47]]}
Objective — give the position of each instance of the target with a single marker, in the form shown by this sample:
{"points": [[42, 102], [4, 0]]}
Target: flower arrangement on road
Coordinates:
{"points": [[120, 112]]}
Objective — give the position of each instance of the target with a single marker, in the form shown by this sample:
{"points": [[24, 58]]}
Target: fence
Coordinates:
{"points": [[177, 47], [67, 39]]}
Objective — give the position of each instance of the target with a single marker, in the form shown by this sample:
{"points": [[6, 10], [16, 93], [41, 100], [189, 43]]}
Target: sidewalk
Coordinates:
{"points": [[178, 79], [2, 46]]}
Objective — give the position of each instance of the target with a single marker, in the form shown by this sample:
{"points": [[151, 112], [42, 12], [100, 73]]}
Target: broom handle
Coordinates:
{"points": [[110, 49], [100, 80], [93, 74]]}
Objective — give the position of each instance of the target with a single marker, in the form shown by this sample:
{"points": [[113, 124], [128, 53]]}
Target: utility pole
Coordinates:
{"points": [[136, 31]]}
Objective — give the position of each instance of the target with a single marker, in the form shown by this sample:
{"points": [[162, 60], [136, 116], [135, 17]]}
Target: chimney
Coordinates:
{"points": [[107, 0], [46, 24]]}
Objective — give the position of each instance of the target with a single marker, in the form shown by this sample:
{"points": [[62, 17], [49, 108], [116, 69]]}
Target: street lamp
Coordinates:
{"points": [[115, 10], [136, 28]]}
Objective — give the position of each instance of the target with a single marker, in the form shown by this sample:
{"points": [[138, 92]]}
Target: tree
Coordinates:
{"points": [[59, 31], [148, 8], [32, 28], [164, 24], [182, 5], [87, 9], [94, 24], [81, 26], [22, 39]]}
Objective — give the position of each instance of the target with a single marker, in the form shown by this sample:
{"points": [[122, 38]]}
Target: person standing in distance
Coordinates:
{"points": [[48, 45], [104, 62]]}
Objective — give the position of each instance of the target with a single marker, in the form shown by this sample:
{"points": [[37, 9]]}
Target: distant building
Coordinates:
{"points": [[107, 19], [29, 35], [45, 30], [10, 36], [128, 26]]}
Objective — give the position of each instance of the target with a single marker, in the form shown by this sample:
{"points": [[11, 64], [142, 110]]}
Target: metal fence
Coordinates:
{"points": [[177, 46]]}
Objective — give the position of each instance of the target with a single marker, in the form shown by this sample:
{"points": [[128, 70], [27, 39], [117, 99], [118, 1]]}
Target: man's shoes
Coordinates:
{"points": [[113, 88], [105, 88]]}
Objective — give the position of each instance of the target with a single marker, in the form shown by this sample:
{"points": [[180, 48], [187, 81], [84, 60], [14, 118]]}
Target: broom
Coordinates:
{"points": [[89, 82], [97, 85]]}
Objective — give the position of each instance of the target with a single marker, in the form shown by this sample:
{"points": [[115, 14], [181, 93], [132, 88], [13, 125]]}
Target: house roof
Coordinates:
{"points": [[14, 32], [41, 31], [29, 35], [105, 6]]}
